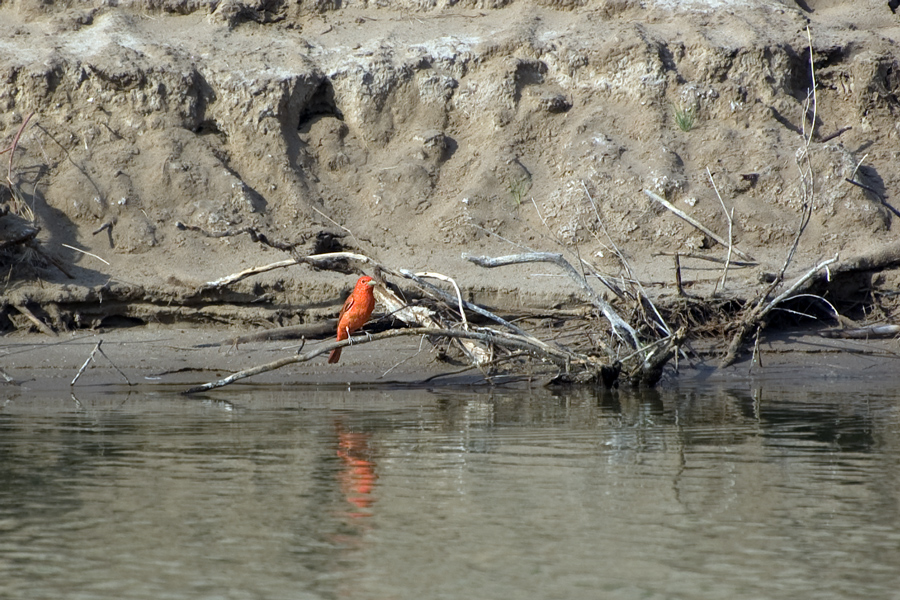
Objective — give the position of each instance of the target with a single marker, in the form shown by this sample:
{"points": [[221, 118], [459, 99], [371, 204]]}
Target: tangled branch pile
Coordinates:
{"points": [[499, 347]]}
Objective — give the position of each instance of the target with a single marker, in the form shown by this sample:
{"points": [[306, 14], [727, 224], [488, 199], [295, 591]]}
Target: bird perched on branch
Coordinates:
{"points": [[356, 311]]}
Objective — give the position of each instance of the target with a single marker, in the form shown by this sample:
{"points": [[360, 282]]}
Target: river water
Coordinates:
{"points": [[270, 492]]}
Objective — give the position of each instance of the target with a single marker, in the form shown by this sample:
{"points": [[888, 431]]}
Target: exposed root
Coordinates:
{"points": [[756, 316]]}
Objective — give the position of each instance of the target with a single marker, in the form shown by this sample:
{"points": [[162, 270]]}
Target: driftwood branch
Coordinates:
{"points": [[619, 325], [414, 316], [459, 300], [420, 316], [650, 370], [235, 277], [315, 260], [84, 367], [689, 219], [43, 327], [477, 344], [886, 257], [428, 287], [446, 297], [660, 321], [755, 317], [870, 332], [558, 357], [715, 259]]}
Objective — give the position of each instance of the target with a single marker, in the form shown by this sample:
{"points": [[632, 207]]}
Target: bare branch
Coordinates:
{"points": [[235, 277], [619, 325], [419, 316], [755, 318], [625, 265], [865, 333], [730, 218], [683, 215], [797, 285], [436, 291], [86, 363], [559, 357], [315, 259], [12, 148], [815, 104], [85, 252], [43, 327], [90, 358], [459, 300]]}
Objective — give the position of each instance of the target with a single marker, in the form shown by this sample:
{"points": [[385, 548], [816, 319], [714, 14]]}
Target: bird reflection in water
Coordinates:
{"points": [[357, 474]]}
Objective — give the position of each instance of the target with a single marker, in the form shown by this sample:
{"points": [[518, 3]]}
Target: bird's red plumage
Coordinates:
{"points": [[356, 311]]}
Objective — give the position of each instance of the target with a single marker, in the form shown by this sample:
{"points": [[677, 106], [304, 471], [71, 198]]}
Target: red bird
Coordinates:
{"points": [[356, 311]]}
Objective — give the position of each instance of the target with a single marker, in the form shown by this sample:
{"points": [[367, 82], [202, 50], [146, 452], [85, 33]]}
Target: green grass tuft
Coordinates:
{"points": [[518, 188], [685, 117]]}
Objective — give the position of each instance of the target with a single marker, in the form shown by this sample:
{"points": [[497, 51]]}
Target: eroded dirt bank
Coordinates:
{"points": [[414, 133]]}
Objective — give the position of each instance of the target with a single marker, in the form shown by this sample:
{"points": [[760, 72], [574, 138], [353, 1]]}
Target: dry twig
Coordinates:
{"points": [[85, 252], [756, 316], [815, 104], [12, 149], [621, 256], [419, 316], [90, 358], [235, 277], [730, 218], [619, 325], [43, 327], [683, 215]]}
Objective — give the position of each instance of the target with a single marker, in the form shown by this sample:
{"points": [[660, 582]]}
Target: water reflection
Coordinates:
{"points": [[357, 477], [701, 493]]}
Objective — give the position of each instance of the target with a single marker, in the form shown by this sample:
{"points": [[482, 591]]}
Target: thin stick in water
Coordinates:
{"points": [[86, 363]]}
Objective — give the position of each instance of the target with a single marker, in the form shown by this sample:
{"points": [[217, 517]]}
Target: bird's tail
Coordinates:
{"points": [[335, 355]]}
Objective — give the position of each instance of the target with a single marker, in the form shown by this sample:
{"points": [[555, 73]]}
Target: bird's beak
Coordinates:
{"points": [[372, 283]]}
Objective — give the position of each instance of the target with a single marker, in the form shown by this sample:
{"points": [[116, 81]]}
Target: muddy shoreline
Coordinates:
{"points": [[171, 360]]}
